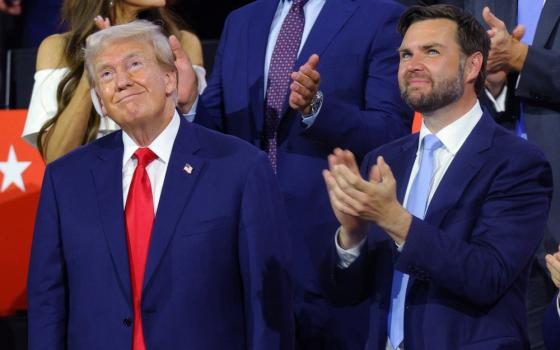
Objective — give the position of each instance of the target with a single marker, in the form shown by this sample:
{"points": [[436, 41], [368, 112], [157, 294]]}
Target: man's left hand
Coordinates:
{"points": [[507, 52], [375, 200], [305, 85]]}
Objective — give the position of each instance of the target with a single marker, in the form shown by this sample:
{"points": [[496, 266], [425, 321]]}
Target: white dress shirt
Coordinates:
{"points": [[311, 10], [452, 137], [161, 146]]}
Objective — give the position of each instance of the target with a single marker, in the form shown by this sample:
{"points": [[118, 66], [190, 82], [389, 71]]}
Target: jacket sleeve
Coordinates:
{"points": [[47, 290]]}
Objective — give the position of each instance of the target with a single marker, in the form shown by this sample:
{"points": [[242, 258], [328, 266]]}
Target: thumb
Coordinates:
{"points": [[518, 32], [384, 169], [176, 47], [313, 61], [374, 175], [492, 20]]}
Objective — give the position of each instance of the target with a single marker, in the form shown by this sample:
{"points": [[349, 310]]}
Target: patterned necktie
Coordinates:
{"points": [[416, 205], [528, 14], [139, 215], [281, 65]]}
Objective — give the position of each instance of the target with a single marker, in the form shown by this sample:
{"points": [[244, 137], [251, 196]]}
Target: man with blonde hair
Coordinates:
{"points": [[164, 235]]}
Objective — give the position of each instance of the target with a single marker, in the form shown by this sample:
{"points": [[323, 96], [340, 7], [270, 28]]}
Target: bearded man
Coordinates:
{"points": [[442, 241]]}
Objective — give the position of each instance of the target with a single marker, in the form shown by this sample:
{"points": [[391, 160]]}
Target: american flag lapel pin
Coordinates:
{"points": [[188, 168]]}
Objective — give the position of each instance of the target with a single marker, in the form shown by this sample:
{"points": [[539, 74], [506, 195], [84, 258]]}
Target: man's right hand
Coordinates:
{"points": [[353, 227], [553, 265]]}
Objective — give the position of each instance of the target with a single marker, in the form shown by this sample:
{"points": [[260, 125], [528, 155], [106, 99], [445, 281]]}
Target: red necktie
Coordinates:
{"points": [[139, 215]]}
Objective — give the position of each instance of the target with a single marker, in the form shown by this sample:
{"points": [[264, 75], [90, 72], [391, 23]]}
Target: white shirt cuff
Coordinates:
{"points": [[192, 112], [558, 305], [308, 120], [347, 256]]}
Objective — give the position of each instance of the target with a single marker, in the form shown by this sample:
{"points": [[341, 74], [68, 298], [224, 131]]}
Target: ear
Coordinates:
{"points": [[171, 81], [99, 100], [473, 65]]}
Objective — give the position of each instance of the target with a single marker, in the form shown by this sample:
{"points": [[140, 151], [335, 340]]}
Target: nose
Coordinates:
{"points": [[122, 79], [414, 63]]}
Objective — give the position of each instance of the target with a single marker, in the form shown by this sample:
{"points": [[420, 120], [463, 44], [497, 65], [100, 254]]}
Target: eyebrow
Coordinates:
{"points": [[423, 47], [128, 56]]}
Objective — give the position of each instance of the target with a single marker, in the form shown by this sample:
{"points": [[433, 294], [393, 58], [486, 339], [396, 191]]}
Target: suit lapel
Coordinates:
{"points": [[107, 176], [547, 22], [177, 188], [333, 16], [402, 165], [466, 164], [259, 28]]}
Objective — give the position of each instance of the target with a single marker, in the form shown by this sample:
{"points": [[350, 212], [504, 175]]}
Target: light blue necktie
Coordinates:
{"points": [[528, 14], [416, 205]]}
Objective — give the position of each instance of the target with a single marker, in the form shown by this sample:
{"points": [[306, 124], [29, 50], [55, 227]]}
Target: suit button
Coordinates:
{"points": [[127, 322]]}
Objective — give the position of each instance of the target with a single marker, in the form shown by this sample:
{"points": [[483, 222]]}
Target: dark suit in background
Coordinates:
{"points": [[551, 325], [537, 86], [362, 109]]}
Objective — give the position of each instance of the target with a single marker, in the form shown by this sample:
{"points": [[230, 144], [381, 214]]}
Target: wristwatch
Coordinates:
{"points": [[316, 104]]}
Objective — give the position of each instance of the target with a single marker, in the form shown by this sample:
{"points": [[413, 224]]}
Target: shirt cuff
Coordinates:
{"points": [[558, 304], [500, 101], [347, 256], [200, 77], [308, 120], [189, 116]]}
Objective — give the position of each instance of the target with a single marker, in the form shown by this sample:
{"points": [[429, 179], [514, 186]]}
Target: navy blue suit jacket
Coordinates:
{"points": [[551, 325], [357, 43], [469, 259], [217, 274]]}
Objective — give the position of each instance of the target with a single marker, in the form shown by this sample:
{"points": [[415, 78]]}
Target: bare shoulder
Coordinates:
{"points": [[191, 45], [51, 52]]}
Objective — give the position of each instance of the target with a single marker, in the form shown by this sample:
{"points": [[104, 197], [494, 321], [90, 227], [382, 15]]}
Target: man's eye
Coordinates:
{"points": [[405, 55], [135, 65], [106, 75], [433, 52]]}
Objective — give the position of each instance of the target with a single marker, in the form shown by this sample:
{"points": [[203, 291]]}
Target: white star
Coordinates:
{"points": [[13, 170]]}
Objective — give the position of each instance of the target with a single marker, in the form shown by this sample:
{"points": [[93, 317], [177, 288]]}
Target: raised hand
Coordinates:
{"points": [[506, 50], [102, 23], [187, 87], [305, 85]]}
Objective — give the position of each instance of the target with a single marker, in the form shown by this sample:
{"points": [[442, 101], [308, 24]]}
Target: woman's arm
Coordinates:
{"points": [[69, 129]]}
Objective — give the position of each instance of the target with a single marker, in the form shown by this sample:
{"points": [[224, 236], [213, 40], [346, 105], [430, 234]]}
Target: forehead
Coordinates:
{"points": [[441, 31], [119, 50]]}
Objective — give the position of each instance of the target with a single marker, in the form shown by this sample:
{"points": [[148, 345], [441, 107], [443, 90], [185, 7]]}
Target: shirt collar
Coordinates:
{"points": [[162, 144], [454, 135]]}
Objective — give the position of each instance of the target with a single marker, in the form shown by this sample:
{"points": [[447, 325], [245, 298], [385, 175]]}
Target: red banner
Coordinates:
{"points": [[21, 173]]}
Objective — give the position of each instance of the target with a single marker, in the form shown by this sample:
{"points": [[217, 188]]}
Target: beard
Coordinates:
{"points": [[444, 92]]}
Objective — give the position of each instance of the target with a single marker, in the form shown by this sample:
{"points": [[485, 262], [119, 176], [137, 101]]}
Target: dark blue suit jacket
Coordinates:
{"points": [[469, 259], [551, 326], [357, 43], [217, 274]]}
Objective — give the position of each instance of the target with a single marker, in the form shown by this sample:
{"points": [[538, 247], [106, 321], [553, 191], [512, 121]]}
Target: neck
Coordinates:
{"points": [[439, 119], [144, 134]]}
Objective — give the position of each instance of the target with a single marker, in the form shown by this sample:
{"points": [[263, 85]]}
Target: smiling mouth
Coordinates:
{"points": [[127, 97]]}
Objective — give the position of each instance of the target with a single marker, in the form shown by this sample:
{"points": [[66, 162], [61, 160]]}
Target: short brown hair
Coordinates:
{"points": [[471, 36]]}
